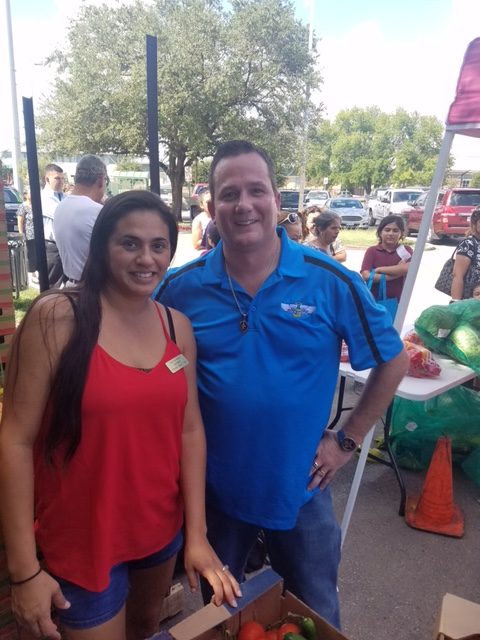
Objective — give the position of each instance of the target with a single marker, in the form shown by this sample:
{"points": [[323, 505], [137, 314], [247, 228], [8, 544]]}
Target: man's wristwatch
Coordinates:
{"points": [[345, 442]]}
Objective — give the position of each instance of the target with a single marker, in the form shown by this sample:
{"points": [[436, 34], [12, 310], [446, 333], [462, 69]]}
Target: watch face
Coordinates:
{"points": [[348, 444], [344, 442]]}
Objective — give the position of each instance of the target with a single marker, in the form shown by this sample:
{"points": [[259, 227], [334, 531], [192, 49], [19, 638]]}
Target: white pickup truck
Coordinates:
{"points": [[392, 201]]}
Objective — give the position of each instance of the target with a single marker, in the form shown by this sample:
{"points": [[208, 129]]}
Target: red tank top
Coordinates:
{"points": [[118, 499]]}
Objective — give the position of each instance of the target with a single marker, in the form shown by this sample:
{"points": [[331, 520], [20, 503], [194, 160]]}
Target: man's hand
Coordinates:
{"points": [[328, 460]]}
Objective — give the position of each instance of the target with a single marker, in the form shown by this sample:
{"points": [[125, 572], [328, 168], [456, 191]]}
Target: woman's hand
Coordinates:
{"points": [[201, 559], [32, 602]]}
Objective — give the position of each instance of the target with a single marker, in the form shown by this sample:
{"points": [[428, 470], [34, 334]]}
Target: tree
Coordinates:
{"points": [[418, 140], [127, 163], [366, 147], [221, 75], [475, 180], [362, 149]]}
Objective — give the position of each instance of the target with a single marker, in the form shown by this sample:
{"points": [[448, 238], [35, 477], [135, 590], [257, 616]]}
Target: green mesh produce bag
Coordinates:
{"points": [[453, 330], [416, 427]]}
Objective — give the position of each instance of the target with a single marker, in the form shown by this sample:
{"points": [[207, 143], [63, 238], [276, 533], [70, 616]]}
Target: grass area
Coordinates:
{"points": [[23, 302], [363, 238]]}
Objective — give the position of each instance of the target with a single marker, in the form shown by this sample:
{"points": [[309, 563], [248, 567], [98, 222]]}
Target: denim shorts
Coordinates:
{"points": [[91, 608]]}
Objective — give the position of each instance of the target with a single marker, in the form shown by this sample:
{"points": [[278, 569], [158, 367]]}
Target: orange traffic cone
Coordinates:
{"points": [[435, 510]]}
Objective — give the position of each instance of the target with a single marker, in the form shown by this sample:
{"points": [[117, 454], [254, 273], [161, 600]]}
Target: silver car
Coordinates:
{"points": [[316, 197], [352, 213]]}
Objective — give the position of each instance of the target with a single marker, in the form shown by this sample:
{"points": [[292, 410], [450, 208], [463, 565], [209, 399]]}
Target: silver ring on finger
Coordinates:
{"points": [[315, 465], [225, 568]]}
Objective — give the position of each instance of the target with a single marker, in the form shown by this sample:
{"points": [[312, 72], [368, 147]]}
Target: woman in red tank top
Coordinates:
{"points": [[102, 439]]}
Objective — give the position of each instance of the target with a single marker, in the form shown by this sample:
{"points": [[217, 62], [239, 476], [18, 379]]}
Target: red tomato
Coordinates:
{"points": [[251, 631], [287, 627]]}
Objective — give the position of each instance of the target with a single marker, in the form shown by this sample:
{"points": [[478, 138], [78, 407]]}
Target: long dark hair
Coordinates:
{"points": [[69, 379]]}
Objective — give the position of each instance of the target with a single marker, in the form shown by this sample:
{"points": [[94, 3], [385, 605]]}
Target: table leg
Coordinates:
{"points": [[394, 464], [340, 407]]}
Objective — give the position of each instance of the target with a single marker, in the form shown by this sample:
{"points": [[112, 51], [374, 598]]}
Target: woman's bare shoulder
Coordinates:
{"points": [[49, 313], [181, 324]]}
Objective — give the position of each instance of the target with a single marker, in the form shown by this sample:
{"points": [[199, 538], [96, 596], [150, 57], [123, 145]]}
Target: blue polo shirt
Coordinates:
{"points": [[266, 394]]}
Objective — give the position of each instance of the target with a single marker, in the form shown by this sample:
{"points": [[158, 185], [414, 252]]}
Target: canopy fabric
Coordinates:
{"points": [[464, 114]]}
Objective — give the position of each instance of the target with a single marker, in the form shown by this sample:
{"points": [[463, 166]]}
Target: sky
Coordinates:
{"points": [[371, 52]]}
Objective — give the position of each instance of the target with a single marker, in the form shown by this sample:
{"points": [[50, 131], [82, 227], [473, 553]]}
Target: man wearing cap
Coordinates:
{"points": [[51, 195], [269, 317], [76, 215]]}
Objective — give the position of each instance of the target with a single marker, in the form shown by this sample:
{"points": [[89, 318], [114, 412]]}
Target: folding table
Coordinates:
{"points": [[452, 375]]}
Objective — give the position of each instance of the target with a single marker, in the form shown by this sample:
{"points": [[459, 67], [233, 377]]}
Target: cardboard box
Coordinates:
{"points": [[459, 619], [174, 602], [262, 601]]}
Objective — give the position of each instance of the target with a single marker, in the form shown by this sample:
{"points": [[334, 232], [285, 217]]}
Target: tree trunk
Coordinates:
{"points": [[176, 164]]}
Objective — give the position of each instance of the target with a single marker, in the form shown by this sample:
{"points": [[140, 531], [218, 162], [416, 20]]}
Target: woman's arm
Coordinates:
{"points": [[339, 251], [460, 268], [197, 234], [199, 555], [33, 359], [396, 271], [367, 263]]}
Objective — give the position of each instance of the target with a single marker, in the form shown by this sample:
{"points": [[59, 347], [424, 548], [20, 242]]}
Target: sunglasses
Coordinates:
{"points": [[292, 218]]}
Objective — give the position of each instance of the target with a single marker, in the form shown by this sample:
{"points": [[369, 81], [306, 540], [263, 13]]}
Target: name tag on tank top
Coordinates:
{"points": [[177, 363]]}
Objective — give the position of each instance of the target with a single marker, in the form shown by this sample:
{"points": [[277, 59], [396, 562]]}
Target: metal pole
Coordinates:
{"points": [[17, 180], [305, 134], [34, 180], [152, 113], [425, 224]]}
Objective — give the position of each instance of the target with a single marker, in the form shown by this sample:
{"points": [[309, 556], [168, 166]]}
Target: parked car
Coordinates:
{"points": [[351, 211], [413, 212], [392, 202], [194, 198], [13, 200], [315, 197], [451, 216], [289, 200]]}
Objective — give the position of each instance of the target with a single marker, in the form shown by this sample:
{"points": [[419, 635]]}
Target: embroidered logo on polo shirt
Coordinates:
{"points": [[298, 310]]}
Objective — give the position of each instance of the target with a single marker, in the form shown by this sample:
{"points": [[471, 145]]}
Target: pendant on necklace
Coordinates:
{"points": [[243, 323]]}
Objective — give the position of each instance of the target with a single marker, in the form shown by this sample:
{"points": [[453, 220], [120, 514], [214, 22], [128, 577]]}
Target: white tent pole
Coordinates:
{"points": [[437, 181], [357, 478], [425, 224]]}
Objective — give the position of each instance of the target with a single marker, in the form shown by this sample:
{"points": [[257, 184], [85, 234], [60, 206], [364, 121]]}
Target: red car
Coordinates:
{"points": [[451, 216]]}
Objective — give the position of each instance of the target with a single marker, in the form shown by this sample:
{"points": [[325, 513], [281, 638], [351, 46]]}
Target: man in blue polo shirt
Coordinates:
{"points": [[269, 316]]}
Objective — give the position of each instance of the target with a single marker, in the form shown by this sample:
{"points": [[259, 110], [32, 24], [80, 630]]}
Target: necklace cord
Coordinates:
{"points": [[244, 314]]}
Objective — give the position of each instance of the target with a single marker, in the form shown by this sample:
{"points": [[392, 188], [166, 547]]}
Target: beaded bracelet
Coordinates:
{"points": [[17, 583]]}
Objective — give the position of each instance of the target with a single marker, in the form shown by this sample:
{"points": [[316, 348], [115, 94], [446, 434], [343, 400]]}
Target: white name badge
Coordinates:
{"points": [[177, 363]]}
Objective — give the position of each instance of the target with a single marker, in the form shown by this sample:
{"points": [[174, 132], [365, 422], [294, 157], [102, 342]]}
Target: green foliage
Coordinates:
{"points": [[5, 172], [22, 303], [475, 180], [362, 148], [240, 73], [127, 163], [200, 171]]}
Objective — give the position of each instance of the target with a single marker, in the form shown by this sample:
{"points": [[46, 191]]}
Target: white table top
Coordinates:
{"points": [[452, 375]]}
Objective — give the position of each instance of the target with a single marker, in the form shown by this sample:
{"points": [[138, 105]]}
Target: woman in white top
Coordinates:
{"points": [[200, 222]]}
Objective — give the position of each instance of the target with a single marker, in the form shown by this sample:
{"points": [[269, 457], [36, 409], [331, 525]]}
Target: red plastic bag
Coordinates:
{"points": [[412, 336], [422, 362]]}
